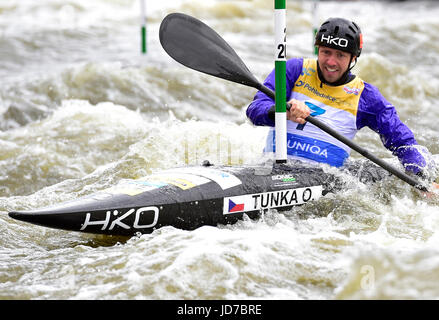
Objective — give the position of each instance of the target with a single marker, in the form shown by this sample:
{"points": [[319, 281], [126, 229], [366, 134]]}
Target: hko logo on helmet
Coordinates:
{"points": [[341, 42]]}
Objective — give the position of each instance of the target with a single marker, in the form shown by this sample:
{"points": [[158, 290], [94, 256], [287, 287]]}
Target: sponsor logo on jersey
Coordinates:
{"points": [[350, 90], [313, 90], [307, 147], [307, 71]]}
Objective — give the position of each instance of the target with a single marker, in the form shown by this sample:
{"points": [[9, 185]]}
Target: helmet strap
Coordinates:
{"points": [[350, 62]]}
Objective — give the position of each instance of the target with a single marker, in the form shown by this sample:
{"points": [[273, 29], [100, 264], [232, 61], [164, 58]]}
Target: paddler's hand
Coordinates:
{"points": [[298, 111], [433, 191]]}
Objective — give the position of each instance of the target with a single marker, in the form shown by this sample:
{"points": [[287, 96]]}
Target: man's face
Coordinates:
{"points": [[333, 63]]}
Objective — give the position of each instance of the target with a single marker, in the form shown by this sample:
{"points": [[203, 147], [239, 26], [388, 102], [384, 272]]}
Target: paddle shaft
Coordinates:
{"points": [[383, 164]]}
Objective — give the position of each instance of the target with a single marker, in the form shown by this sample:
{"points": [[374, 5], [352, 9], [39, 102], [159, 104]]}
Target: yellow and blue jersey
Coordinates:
{"points": [[346, 108]]}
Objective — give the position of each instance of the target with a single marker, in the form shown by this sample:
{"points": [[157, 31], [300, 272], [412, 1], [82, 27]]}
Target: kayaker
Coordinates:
{"points": [[326, 88]]}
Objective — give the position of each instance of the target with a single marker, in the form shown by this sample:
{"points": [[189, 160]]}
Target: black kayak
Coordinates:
{"points": [[190, 197]]}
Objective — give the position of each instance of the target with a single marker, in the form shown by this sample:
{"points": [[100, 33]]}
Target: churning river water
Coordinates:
{"points": [[82, 108]]}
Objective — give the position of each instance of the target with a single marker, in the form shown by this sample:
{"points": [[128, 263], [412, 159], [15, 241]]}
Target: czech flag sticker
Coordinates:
{"points": [[234, 204], [235, 207]]}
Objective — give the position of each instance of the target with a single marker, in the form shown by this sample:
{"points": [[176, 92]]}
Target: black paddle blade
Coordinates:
{"points": [[197, 46]]}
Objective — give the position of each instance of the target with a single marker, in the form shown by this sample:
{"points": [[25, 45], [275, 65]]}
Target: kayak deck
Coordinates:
{"points": [[188, 198]]}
